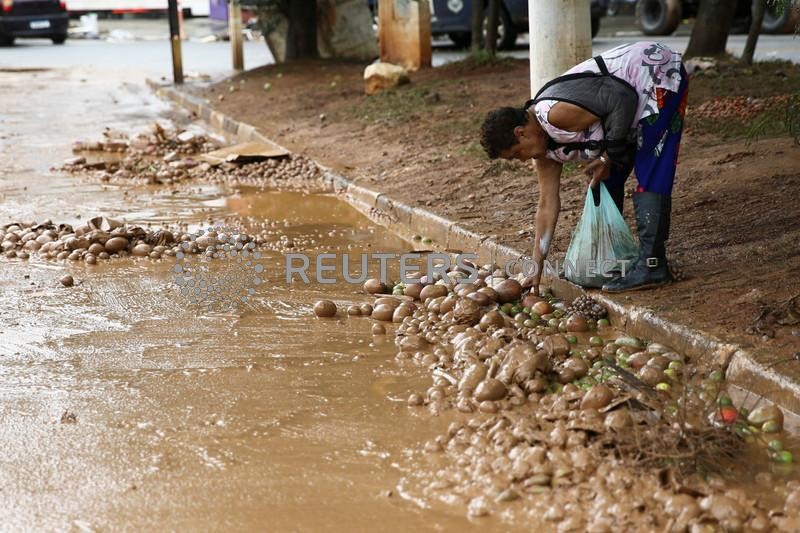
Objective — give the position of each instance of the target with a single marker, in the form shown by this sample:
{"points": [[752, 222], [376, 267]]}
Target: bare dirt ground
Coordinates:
{"points": [[736, 221]]}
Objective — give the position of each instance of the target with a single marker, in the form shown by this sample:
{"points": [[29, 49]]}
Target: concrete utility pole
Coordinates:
{"points": [[560, 37], [235, 31], [175, 41]]}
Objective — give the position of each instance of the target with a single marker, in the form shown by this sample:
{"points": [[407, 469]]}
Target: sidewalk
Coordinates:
{"points": [[735, 218]]}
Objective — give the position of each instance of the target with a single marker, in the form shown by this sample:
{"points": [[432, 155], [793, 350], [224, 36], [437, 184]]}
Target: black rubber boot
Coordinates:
{"points": [[652, 221]]}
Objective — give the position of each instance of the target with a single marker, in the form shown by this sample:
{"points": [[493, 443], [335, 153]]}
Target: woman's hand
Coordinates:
{"points": [[597, 171]]}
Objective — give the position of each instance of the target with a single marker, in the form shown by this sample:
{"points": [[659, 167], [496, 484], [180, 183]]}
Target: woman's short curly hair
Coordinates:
{"points": [[497, 131]]}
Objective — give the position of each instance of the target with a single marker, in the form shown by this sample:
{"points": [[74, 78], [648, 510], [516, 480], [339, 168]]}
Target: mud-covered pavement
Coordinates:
{"points": [[457, 405], [123, 409]]}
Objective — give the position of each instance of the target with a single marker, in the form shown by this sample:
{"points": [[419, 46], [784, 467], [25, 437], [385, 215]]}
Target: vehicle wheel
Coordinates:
{"points": [[595, 26], [59, 39], [777, 21], [461, 39], [658, 17], [506, 34]]}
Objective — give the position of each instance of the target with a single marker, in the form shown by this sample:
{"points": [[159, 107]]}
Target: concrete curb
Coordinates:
{"points": [[743, 368]]}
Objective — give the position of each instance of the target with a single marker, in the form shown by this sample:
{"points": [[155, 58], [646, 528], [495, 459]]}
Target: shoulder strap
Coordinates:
{"points": [[601, 64]]}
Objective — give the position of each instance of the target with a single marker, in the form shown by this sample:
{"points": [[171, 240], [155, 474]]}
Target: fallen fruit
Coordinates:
{"points": [[67, 281], [375, 286], [784, 457], [728, 414], [775, 445], [325, 309]]}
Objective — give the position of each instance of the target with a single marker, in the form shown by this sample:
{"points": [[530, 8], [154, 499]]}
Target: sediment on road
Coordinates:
{"points": [[678, 316]]}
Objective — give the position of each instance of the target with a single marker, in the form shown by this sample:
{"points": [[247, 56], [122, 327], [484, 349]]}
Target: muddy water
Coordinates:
{"points": [[124, 407]]}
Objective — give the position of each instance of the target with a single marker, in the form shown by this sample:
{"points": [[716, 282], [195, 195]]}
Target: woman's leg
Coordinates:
{"points": [[655, 167]]}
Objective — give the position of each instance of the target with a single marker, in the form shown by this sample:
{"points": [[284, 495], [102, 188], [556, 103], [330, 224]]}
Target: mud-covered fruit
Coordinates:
{"points": [[716, 376], [663, 387], [67, 281], [771, 426], [572, 339], [595, 341], [375, 286], [775, 445], [603, 322], [325, 309]]}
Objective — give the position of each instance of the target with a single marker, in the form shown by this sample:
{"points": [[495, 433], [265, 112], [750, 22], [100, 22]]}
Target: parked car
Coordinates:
{"points": [[454, 19], [662, 17], [33, 18]]}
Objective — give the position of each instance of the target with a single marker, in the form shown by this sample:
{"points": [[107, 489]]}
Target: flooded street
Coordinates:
{"points": [[122, 407], [444, 403]]}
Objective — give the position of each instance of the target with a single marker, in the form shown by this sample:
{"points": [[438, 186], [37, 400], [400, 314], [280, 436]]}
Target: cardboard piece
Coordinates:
{"points": [[249, 152]]}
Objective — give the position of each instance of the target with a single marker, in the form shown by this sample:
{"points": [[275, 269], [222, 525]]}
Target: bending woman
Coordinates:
{"points": [[622, 111]]}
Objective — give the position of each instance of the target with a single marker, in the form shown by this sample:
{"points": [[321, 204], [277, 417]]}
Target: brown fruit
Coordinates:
{"points": [[387, 300], [141, 250], [353, 310], [508, 290], [366, 309], [490, 389], [530, 300], [378, 329], [325, 309], [383, 312], [375, 286], [479, 298], [492, 318], [490, 292], [401, 312], [432, 291], [576, 323], [542, 308], [597, 397], [413, 290]]}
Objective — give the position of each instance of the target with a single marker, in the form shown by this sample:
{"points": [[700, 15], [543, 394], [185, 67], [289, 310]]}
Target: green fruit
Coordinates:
{"points": [[745, 412], [603, 322], [771, 426], [572, 339], [506, 308], [716, 375], [775, 445], [547, 316], [515, 309], [784, 457], [427, 240], [535, 317], [558, 313], [724, 401], [526, 310], [676, 365], [664, 386], [529, 323], [595, 341], [553, 322]]}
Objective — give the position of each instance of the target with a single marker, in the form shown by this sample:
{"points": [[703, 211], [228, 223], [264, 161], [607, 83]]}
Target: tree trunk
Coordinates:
{"points": [[301, 39], [476, 25], [711, 28], [491, 27], [759, 6]]}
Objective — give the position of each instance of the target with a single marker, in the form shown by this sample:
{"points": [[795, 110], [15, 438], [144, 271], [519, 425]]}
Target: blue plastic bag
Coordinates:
{"points": [[600, 241]]}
